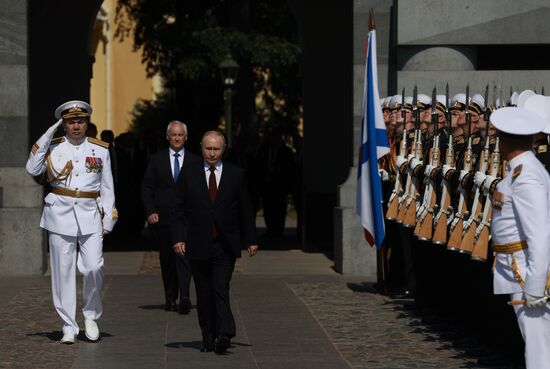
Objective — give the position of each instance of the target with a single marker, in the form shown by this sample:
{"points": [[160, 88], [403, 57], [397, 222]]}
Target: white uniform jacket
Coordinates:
{"points": [[523, 216], [85, 167]]}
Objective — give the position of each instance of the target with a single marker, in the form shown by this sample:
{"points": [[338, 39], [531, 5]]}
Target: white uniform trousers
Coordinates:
{"points": [[63, 261], [534, 324]]}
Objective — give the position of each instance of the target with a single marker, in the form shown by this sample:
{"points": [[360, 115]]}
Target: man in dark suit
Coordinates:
{"points": [[212, 221], [158, 193]]}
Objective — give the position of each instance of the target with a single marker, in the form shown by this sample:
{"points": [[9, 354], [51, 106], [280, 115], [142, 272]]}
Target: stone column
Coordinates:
{"points": [[22, 249]]}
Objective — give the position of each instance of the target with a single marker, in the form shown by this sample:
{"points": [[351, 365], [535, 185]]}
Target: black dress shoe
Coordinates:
{"points": [[207, 344], [403, 295], [170, 306], [221, 344], [184, 306]]}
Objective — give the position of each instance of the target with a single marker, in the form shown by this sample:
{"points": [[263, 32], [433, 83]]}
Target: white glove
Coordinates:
{"points": [[479, 178], [446, 169], [410, 156], [463, 174], [383, 174], [400, 161], [51, 131], [488, 182], [414, 163], [428, 170], [534, 301]]}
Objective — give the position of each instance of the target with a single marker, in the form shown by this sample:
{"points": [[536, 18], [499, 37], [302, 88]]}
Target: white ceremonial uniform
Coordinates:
{"points": [[524, 215], [76, 213]]}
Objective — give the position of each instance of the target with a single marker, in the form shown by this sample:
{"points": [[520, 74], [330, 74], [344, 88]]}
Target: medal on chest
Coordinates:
{"points": [[93, 164], [498, 199]]}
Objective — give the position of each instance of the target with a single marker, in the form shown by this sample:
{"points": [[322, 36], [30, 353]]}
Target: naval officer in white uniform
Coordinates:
{"points": [[77, 213], [520, 230]]}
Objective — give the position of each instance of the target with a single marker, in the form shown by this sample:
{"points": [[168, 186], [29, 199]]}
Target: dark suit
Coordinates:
{"points": [[158, 194], [213, 259]]}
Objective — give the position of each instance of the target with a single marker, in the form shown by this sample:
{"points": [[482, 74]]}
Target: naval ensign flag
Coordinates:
{"points": [[374, 145]]}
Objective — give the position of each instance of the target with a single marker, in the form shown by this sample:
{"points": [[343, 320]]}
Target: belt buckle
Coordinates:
{"points": [[77, 193]]}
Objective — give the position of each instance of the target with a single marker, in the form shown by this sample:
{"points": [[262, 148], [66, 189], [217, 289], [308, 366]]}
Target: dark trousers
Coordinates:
{"points": [[175, 269], [212, 277]]}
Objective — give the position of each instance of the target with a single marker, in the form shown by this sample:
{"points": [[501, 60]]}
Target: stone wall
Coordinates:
{"points": [[21, 239]]}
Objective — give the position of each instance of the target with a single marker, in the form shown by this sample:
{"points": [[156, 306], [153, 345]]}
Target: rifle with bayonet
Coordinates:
{"points": [[398, 190], [408, 215], [481, 236], [424, 224], [455, 231], [445, 206], [470, 226]]}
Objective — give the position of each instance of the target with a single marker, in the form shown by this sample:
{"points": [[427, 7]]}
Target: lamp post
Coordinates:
{"points": [[229, 70]]}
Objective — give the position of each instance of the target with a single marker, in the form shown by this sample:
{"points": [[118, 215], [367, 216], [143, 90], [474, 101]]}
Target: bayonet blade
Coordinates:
{"points": [[403, 111], [415, 108], [434, 100], [486, 96], [467, 109], [467, 97]]}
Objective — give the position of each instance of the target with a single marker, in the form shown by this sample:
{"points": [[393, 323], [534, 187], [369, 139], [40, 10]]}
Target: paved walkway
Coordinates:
{"points": [[292, 311]]}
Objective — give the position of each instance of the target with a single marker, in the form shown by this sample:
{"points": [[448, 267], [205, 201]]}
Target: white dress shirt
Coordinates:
{"points": [[217, 172], [180, 158]]}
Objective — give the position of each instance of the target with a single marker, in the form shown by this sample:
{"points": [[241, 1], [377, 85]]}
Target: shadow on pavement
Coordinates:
{"points": [[52, 336]]}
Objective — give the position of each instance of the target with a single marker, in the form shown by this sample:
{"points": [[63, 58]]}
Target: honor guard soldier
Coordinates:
{"points": [[541, 105], [521, 231], [78, 211]]}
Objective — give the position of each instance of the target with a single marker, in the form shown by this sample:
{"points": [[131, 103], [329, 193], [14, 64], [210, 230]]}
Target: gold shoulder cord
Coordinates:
{"points": [[54, 175]]}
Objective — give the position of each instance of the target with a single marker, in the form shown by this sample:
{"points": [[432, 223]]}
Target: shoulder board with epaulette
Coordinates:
{"points": [[57, 140], [460, 140], [98, 142], [517, 171], [542, 148]]}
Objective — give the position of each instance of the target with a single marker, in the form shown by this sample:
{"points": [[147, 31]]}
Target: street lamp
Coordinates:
{"points": [[229, 70]]}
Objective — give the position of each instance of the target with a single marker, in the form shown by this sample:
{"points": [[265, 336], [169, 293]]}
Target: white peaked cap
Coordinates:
{"points": [[395, 100], [517, 121], [541, 105], [73, 108], [478, 100], [461, 98], [523, 96], [424, 99]]}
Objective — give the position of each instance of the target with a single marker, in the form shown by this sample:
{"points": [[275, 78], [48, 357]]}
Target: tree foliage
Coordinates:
{"points": [[184, 42]]}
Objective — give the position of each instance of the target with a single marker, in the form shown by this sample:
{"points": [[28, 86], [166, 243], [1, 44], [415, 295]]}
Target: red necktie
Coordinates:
{"points": [[212, 186], [213, 190]]}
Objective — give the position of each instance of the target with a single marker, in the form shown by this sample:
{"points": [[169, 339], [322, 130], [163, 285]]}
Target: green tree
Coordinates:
{"points": [[184, 42]]}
